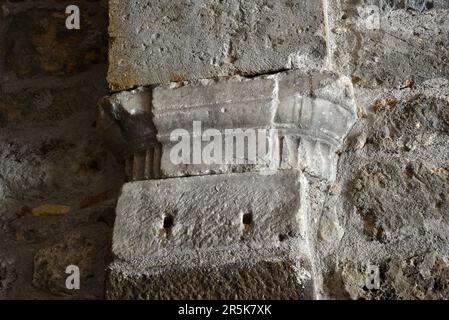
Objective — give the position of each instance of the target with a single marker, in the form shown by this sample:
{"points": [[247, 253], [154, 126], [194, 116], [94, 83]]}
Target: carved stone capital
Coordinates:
{"points": [[308, 116]]}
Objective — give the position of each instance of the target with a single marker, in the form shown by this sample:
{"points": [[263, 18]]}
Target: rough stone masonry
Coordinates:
{"points": [[350, 201], [333, 205], [58, 182]]}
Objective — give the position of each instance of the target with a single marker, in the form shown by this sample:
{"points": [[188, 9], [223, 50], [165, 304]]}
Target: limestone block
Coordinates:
{"points": [[227, 107], [158, 41], [294, 110], [160, 217], [229, 236]]}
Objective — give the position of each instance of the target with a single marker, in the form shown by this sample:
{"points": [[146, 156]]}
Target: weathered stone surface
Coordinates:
{"points": [[311, 114], [7, 275], [86, 250], [50, 151], [49, 73], [315, 119], [50, 263], [417, 5], [36, 42], [200, 213], [403, 151], [390, 198], [423, 276], [162, 41], [389, 43], [230, 236], [59, 161], [255, 277], [387, 207], [46, 101]]}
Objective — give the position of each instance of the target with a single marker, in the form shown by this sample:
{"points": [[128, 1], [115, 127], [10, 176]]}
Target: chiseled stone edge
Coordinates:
{"points": [[128, 123]]}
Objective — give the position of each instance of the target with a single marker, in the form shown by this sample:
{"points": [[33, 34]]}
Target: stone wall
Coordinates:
{"points": [[356, 93], [389, 205], [58, 183], [383, 207]]}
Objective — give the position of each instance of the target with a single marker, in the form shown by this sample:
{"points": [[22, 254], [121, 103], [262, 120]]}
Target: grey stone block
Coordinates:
{"points": [[160, 217], [229, 236], [158, 41]]}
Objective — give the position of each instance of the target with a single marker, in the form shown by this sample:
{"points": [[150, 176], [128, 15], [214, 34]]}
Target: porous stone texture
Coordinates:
{"points": [[389, 43], [166, 216], [217, 275], [393, 180], [221, 213], [162, 41], [76, 250], [383, 206], [58, 183], [233, 229], [388, 206], [423, 276]]}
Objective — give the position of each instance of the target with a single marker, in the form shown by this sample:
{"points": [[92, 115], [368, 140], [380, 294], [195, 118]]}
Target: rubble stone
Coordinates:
{"points": [[389, 43]]}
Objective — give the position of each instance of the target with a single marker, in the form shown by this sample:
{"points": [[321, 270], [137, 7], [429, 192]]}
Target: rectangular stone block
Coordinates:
{"points": [[229, 236], [160, 217], [158, 41]]}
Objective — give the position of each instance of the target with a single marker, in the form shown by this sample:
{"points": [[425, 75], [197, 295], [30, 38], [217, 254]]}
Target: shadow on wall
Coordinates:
{"points": [[58, 184]]}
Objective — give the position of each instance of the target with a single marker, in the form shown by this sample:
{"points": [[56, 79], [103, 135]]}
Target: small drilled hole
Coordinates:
{"points": [[168, 222], [247, 219], [93, 165]]}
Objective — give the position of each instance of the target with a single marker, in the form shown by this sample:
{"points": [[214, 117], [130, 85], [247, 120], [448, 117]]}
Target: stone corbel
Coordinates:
{"points": [[222, 225], [310, 113]]}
